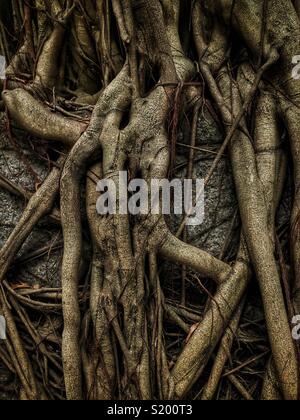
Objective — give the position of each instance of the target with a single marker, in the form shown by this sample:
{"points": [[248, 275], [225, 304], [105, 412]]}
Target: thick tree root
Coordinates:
{"points": [[114, 341]]}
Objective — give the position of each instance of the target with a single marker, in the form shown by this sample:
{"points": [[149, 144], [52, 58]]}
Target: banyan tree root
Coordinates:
{"points": [[138, 71], [222, 356]]}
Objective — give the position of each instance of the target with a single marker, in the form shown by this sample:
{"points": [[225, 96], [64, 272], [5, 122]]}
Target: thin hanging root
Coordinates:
{"points": [[240, 387], [6, 360], [223, 355], [36, 337], [17, 352], [190, 173]]}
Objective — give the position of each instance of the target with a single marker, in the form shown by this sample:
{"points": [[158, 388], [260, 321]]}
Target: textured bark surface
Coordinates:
{"points": [[146, 307]]}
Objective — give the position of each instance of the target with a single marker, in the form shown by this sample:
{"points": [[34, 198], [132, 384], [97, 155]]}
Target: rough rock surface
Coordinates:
{"points": [[220, 201], [22, 167]]}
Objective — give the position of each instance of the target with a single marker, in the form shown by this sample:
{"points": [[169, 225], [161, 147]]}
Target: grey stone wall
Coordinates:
{"points": [[20, 164], [220, 201]]}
